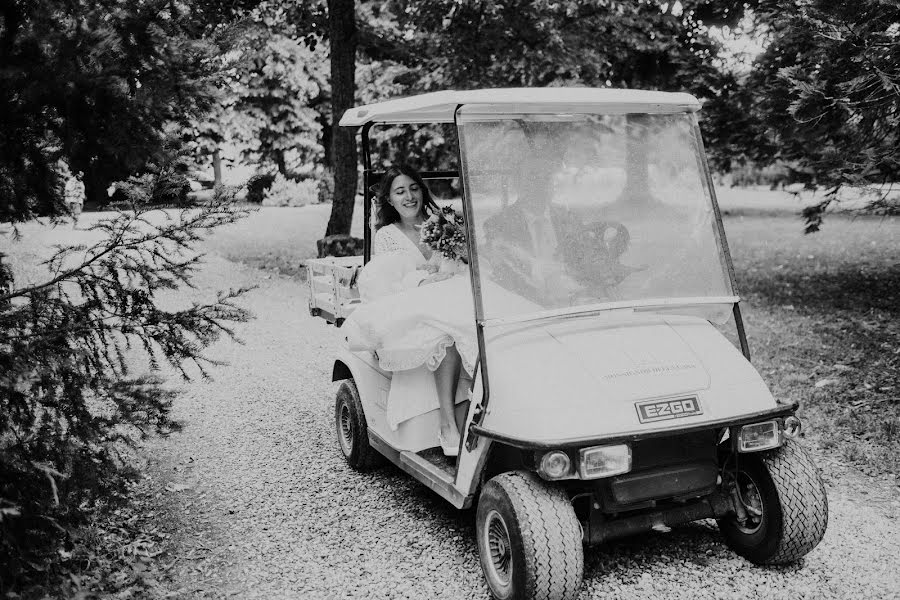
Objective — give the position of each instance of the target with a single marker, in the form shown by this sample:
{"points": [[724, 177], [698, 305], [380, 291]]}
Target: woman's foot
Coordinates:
{"points": [[449, 443]]}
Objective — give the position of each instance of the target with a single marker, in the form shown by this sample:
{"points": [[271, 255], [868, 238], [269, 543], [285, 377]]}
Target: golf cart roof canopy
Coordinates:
{"points": [[439, 107]]}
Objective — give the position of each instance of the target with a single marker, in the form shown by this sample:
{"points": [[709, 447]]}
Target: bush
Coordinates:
{"points": [[257, 186], [340, 244], [68, 405], [164, 184], [326, 187], [773, 176], [287, 192]]}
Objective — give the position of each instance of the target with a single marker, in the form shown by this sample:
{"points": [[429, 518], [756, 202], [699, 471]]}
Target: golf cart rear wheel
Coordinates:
{"points": [[529, 539], [352, 432], [787, 510]]}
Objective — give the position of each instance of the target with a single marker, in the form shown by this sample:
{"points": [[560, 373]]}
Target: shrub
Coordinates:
{"points": [[68, 404], [164, 184], [257, 186], [287, 192], [340, 244], [326, 186], [750, 174]]}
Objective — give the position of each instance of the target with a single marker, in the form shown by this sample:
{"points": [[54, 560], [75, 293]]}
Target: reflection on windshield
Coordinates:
{"points": [[574, 210]]}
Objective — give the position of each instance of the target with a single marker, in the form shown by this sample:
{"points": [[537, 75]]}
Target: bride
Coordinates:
{"points": [[417, 305]]}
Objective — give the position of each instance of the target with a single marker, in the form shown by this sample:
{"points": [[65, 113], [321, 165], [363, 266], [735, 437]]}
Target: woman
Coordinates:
{"points": [[402, 205], [419, 327]]}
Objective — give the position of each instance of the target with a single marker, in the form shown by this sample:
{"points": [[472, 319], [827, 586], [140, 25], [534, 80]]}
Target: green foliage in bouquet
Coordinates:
{"points": [[445, 232]]}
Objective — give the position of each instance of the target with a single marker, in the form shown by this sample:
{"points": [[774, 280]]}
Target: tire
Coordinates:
{"points": [[529, 539], [785, 486], [351, 429]]}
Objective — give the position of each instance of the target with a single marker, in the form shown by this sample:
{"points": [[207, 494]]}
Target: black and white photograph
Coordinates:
{"points": [[449, 299]]}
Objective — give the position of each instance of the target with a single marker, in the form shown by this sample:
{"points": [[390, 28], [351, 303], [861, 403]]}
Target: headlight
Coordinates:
{"points": [[604, 461], [759, 436], [555, 465]]}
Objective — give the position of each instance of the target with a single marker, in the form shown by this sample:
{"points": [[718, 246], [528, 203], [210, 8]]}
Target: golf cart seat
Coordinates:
{"points": [[333, 293]]}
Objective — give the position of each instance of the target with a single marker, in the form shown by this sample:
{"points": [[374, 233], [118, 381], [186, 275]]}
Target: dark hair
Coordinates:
{"points": [[386, 213]]}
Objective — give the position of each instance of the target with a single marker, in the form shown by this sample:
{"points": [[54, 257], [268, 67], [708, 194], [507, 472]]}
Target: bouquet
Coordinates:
{"points": [[445, 232]]}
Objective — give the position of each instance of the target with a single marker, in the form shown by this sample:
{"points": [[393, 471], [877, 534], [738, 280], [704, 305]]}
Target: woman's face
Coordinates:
{"points": [[406, 196]]}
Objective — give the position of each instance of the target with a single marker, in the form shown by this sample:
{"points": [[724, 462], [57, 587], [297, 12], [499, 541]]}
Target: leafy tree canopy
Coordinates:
{"points": [[94, 83], [442, 44], [824, 97], [100, 85], [277, 85]]}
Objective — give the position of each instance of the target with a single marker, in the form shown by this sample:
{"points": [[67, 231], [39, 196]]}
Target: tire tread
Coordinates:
{"points": [[366, 457], [551, 535], [804, 504]]}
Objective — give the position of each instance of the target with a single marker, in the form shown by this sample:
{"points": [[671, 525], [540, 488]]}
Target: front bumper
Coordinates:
{"points": [[634, 436]]}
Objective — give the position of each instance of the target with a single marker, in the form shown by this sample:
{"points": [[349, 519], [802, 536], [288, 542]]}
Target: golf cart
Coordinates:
{"points": [[618, 396]]}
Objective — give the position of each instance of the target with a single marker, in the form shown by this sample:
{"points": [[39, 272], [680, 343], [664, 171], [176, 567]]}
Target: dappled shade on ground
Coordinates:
{"points": [[822, 317]]}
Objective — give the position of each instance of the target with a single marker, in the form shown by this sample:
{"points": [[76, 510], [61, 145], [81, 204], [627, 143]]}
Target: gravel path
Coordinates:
{"points": [[259, 503]]}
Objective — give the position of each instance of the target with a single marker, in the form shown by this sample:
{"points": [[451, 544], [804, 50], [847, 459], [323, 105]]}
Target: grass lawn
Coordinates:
{"points": [[823, 319]]}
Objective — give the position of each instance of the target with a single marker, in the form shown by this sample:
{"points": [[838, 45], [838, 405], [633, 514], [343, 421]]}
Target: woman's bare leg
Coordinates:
{"points": [[446, 378]]}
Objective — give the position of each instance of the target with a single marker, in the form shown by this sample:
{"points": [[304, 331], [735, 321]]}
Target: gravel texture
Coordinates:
{"points": [[258, 503]]}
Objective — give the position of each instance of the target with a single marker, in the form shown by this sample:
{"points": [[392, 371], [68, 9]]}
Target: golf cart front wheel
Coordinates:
{"points": [[787, 510], [529, 539], [352, 432]]}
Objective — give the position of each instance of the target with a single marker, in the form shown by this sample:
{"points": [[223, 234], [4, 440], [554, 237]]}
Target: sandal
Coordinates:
{"points": [[449, 449]]}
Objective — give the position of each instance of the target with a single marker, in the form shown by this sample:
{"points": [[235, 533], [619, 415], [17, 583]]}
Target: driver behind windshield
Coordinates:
{"points": [[524, 239], [547, 252]]}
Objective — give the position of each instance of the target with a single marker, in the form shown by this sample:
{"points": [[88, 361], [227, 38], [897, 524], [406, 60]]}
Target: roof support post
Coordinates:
{"points": [[367, 197]]}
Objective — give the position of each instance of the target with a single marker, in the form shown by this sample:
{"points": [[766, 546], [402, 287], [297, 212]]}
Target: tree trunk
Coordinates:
{"points": [[217, 167], [325, 121], [637, 174], [280, 162], [342, 28], [95, 186]]}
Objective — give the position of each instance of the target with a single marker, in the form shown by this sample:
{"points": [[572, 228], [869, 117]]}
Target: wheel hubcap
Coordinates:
{"points": [[751, 498], [345, 430], [497, 544]]}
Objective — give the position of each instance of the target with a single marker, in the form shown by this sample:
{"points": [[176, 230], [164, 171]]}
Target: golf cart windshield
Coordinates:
{"points": [[575, 211]]}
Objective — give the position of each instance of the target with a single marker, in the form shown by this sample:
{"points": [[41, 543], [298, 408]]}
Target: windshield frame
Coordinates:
{"points": [[643, 305], [481, 323]]}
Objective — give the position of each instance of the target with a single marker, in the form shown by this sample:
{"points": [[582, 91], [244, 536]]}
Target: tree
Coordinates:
{"points": [[93, 83], [68, 399], [342, 37], [99, 85], [439, 44], [826, 96], [412, 47], [277, 80]]}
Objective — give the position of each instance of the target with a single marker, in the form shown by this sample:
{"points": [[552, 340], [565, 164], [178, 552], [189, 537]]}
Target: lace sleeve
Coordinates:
{"points": [[384, 242]]}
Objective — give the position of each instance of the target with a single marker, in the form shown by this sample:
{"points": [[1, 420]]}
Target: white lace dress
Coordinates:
{"points": [[409, 325]]}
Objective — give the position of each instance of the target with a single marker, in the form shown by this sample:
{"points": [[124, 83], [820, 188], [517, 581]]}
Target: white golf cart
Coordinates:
{"points": [[610, 401]]}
